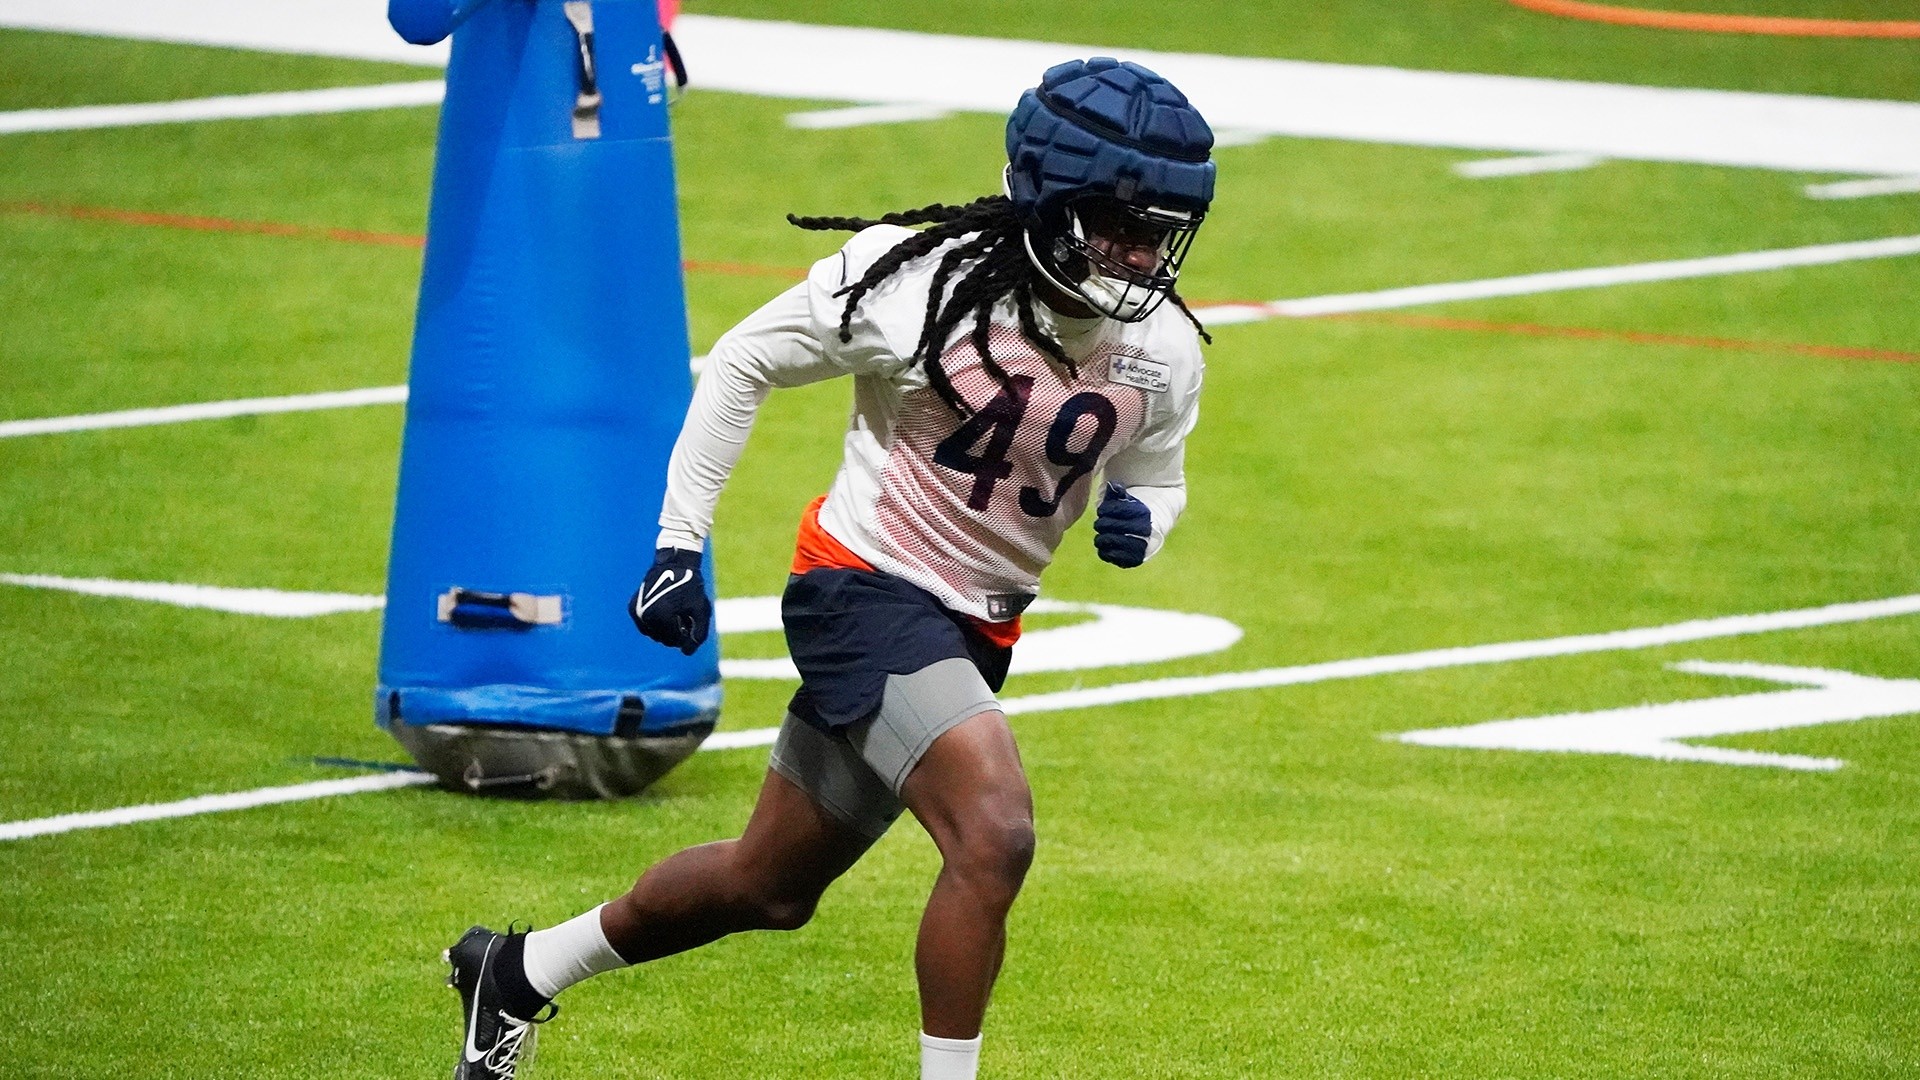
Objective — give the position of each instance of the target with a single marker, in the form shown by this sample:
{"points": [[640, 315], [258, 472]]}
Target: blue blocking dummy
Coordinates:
{"points": [[548, 383]]}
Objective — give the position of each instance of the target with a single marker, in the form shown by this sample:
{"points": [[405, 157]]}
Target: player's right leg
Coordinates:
{"points": [[770, 878]]}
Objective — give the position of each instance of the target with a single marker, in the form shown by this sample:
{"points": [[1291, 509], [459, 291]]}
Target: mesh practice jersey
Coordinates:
{"points": [[968, 508]]}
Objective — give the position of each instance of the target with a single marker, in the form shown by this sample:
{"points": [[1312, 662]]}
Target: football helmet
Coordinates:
{"points": [[1109, 166]]}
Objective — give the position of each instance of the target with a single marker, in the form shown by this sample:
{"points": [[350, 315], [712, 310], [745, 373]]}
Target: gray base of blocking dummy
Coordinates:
{"points": [[536, 764]]}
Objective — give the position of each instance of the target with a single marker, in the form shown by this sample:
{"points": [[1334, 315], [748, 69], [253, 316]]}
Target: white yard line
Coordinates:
{"points": [[211, 804], [270, 602], [740, 740], [236, 107], [864, 115], [1225, 137], [1156, 689], [206, 410], [320, 789], [1564, 280], [1275, 97], [1862, 189], [1525, 166], [1468, 656]]}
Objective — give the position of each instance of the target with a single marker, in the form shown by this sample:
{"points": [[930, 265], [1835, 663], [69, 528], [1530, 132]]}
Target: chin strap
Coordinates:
{"points": [[1105, 295], [1117, 298]]}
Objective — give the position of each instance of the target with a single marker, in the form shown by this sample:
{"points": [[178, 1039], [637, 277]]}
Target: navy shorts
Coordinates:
{"points": [[847, 630]]}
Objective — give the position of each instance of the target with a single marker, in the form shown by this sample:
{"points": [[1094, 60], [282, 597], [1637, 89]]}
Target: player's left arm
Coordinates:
{"points": [[1144, 495], [1146, 482]]}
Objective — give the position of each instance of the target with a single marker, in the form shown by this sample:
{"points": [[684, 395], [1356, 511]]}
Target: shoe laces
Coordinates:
{"points": [[516, 1041], [503, 1058]]}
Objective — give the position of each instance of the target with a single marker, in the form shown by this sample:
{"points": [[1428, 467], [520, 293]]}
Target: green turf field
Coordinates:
{"points": [[1254, 883]]}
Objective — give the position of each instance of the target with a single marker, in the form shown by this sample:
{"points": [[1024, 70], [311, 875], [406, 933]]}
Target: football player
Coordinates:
{"points": [[1003, 358]]}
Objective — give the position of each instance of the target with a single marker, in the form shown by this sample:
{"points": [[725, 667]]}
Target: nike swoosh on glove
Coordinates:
{"points": [[1121, 530], [671, 606]]}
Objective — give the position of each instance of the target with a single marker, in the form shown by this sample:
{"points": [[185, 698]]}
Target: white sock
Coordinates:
{"points": [[560, 956], [948, 1059]]}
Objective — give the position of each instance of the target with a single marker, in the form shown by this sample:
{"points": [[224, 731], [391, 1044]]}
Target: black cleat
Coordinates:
{"points": [[497, 1043]]}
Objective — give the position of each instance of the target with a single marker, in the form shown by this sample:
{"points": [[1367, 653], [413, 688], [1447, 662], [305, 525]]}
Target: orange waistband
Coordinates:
{"points": [[817, 549], [1003, 634]]}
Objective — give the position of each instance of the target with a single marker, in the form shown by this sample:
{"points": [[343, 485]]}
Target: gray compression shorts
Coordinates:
{"points": [[856, 774]]}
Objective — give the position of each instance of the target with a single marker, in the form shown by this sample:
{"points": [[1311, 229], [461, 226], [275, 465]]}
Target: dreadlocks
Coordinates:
{"points": [[999, 266]]}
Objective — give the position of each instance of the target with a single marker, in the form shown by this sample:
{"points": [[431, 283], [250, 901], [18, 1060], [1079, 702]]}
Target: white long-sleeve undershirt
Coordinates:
{"points": [[794, 340], [775, 347]]}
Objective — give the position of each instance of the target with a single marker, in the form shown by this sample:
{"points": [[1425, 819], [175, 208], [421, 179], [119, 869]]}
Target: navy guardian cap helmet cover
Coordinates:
{"points": [[1095, 139]]}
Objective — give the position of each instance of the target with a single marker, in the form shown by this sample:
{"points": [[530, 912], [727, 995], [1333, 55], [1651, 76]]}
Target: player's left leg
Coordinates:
{"points": [[970, 793]]}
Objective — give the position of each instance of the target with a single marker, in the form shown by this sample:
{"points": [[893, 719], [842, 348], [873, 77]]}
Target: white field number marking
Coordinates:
{"points": [[1654, 731]]}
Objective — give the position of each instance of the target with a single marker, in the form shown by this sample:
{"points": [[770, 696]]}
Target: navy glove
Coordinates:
{"points": [[671, 606], [1121, 530]]}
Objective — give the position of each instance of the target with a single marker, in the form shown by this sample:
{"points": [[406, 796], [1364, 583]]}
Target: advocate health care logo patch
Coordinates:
{"points": [[1149, 375]]}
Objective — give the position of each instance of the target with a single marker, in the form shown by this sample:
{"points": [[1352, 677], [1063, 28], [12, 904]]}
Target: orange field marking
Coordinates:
{"points": [[212, 224], [1430, 322], [199, 223], [1721, 24], [701, 266]]}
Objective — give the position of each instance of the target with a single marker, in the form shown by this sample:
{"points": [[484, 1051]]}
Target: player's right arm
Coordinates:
{"points": [[774, 346], [792, 340]]}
